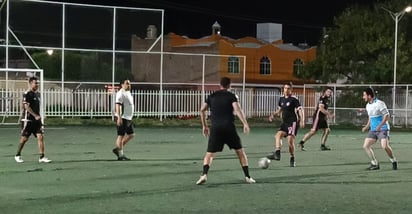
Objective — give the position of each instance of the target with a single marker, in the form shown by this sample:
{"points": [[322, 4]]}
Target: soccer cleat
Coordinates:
{"points": [[323, 147], [395, 165], [274, 156], [250, 180], [123, 158], [18, 159], [373, 167], [116, 152], [292, 162], [202, 179], [302, 147], [44, 160]]}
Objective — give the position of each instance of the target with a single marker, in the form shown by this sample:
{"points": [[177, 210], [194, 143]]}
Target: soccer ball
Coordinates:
{"points": [[264, 163]]}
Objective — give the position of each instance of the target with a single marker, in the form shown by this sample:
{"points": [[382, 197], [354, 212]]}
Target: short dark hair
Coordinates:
{"points": [[225, 82], [327, 88], [369, 91], [31, 79], [122, 81], [289, 84]]}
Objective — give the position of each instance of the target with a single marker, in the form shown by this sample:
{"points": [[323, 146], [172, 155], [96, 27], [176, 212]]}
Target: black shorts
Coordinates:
{"points": [[125, 128], [221, 135], [31, 127], [290, 128], [319, 123]]}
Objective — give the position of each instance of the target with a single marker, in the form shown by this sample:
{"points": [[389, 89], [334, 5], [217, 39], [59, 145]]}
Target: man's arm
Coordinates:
{"points": [[240, 114], [275, 114], [384, 120], [301, 117], [203, 110], [28, 109], [119, 114], [366, 127]]}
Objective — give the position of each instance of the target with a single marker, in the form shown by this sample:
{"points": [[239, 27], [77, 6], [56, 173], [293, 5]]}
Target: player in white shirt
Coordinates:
{"points": [[378, 127], [124, 116]]}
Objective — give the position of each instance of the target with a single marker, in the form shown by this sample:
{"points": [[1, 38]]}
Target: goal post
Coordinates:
{"points": [[13, 83]]}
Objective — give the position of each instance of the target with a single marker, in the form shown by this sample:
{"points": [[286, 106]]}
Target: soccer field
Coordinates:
{"points": [[84, 176]]}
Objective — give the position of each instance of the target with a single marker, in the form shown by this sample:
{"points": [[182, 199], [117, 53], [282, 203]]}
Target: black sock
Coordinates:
{"points": [[18, 154], [246, 171], [41, 156], [205, 169], [302, 142]]}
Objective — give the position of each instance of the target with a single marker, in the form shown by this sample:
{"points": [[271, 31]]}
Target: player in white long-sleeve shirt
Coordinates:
{"points": [[378, 127]]}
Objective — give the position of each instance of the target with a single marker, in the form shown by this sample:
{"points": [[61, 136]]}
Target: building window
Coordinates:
{"points": [[297, 67], [265, 66], [233, 65]]}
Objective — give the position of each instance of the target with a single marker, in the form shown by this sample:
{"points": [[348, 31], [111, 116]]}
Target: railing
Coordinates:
{"points": [[93, 103]]}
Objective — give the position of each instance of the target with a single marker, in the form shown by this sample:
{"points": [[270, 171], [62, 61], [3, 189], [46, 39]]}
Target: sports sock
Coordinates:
{"points": [[18, 154], [205, 169], [302, 142], [41, 156], [392, 159], [374, 162], [120, 152], [246, 171]]}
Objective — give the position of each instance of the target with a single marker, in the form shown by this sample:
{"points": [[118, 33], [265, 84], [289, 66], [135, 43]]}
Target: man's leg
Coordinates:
{"points": [[388, 149], [207, 161], [306, 138], [367, 146], [324, 138], [20, 147], [291, 141]]}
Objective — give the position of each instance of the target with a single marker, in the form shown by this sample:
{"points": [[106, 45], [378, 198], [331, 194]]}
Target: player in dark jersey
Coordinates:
{"points": [[320, 121], [291, 112], [31, 121], [223, 104]]}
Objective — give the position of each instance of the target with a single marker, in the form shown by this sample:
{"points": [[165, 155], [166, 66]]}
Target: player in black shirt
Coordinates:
{"points": [[291, 112], [320, 120], [31, 121], [223, 104]]}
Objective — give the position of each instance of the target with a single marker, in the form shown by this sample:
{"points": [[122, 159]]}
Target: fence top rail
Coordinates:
{"points": [[354, 85]]}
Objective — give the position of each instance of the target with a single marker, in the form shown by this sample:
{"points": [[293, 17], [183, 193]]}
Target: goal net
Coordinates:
{"points": [[13, 83]]}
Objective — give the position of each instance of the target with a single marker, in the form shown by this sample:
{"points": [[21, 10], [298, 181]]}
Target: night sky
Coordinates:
{"points": [[302, 20]]}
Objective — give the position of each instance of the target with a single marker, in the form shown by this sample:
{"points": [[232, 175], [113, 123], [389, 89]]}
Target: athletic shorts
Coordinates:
{"points": [[291, 129], [221, 135], [321, 123], [125, 128], [379, 134], [31, 127]]}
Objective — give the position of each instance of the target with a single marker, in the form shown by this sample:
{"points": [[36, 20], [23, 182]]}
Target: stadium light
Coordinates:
{"points": [[396, 17]]}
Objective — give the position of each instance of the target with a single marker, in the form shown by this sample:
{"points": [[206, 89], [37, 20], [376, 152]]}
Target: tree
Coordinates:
{"points": [[360, 48]]}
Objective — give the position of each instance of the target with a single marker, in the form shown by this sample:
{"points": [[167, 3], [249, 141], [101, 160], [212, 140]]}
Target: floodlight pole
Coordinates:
{"points": [[396, 17]]}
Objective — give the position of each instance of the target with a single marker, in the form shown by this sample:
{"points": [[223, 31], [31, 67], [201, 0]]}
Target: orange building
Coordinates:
{"points": [[268, 59]]}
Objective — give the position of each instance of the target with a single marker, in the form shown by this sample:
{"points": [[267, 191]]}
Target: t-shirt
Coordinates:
{"points": [[125, 99], [376, 110], [289, 105], [33, 100], [325, 101], [220, 105]]}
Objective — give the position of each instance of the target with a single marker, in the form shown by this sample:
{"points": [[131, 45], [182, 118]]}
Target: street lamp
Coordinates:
{"points": [[396, 17]]}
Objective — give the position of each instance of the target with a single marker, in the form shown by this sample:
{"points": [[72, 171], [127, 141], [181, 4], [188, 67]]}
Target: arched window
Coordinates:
{"points": [[297, 67], [233, 65], [264, 66]]}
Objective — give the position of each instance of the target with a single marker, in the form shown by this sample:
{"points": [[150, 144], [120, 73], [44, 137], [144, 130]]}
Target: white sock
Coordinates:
{"points": [[374, 162], [392, 159], [121, 152]]}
